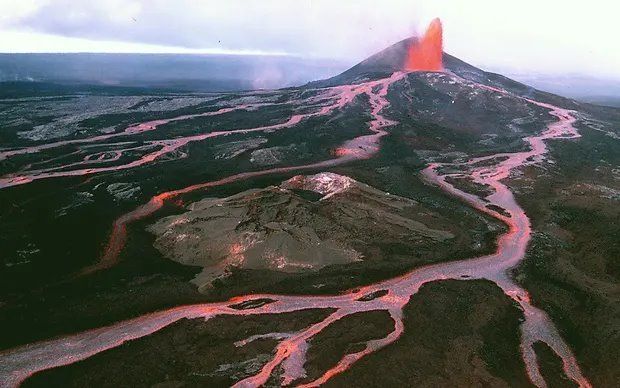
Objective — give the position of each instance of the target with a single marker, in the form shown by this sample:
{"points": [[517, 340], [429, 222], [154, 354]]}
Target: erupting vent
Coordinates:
{"points": [[425, 54]]}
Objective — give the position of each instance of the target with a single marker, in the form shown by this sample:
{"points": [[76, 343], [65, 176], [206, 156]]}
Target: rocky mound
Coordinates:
{"points": [[305, 223]]}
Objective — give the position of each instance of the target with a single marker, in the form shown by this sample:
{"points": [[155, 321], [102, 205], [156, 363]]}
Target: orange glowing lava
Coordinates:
{"points": [[425, 54]]}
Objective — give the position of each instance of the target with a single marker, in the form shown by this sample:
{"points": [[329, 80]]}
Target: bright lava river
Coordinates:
{"points": [[390, 295]]}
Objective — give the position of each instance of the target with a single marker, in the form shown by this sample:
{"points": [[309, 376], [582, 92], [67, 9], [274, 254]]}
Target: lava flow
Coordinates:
{"points": [[339, 96], [390, 295], [361, 147], [426, 53], [165, 147]]}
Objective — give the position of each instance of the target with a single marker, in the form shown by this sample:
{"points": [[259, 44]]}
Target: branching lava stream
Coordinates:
{"points": [[390, 295]]}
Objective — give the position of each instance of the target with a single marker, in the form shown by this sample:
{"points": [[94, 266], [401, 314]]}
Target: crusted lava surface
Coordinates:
{"points": [[303, 224]]}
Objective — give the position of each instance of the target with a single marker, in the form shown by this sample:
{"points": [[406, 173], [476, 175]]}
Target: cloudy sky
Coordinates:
{"points": [[547, 36]]}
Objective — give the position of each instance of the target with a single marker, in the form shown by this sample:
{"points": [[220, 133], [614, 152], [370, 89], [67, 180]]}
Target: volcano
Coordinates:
{"points": [[318, 234], [424, 54]]}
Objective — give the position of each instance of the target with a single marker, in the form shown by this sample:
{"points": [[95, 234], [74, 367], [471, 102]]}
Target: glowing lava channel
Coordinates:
{"points": [[390, 295], [361, 147]]}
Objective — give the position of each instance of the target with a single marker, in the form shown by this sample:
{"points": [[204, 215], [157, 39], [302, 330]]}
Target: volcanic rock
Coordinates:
{"points": [[305, 223]]}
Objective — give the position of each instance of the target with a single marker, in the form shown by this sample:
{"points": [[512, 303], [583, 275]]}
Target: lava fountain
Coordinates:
{"points": [[425, 53]]}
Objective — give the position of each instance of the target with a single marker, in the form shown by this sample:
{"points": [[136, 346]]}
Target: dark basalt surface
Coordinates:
{"points": [[457, 332], [460, 334], [483, 349], [573, 265]]}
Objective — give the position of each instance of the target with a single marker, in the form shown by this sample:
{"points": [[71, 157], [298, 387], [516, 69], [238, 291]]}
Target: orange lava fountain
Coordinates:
{"points": [[425, 54]]}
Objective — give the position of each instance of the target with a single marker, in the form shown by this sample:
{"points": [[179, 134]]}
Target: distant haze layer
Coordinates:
{"points": [[214, 73], [551, 36], [186, 72]]}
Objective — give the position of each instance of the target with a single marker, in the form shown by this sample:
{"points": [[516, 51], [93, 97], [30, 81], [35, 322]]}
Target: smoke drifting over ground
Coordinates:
{"points": [[186, 72]]}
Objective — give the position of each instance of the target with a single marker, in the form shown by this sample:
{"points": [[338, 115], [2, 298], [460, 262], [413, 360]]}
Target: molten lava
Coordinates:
{"points": [[425, 54]]}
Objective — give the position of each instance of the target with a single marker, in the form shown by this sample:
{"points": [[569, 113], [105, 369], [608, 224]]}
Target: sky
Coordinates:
{"points": [[529, 36]]}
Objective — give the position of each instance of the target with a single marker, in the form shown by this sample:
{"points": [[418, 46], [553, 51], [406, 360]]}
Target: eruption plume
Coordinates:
{"points": [[425, 53]]}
